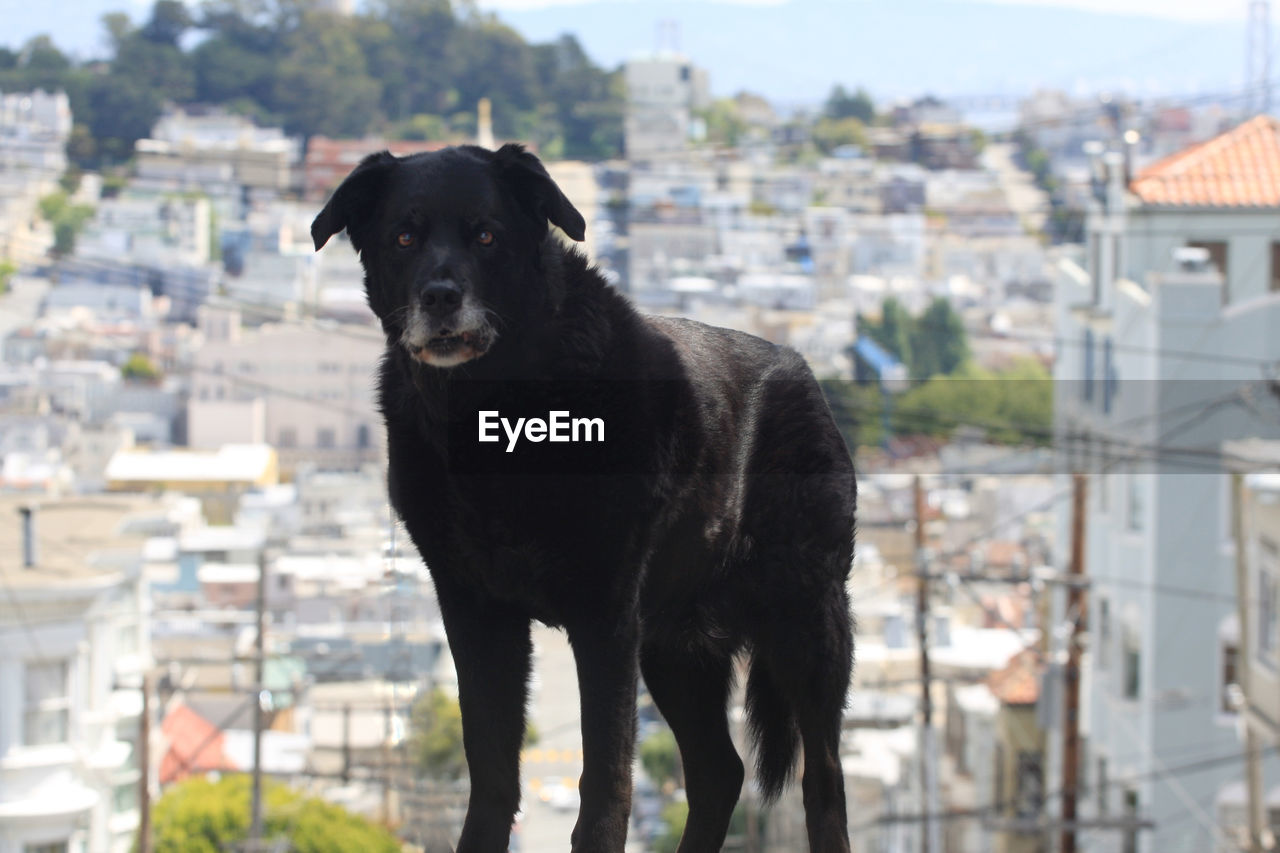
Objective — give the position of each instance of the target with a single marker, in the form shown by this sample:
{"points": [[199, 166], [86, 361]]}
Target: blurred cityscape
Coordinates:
{"points": [[1052, 343]]}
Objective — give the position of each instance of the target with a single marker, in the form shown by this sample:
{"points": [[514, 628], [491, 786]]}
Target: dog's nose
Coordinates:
{"points": [[441, 298]]}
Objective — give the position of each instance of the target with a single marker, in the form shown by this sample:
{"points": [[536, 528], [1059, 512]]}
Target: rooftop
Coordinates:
{"points": [[1240, 168], [1019, 682], [248, 463], [76, 538]]}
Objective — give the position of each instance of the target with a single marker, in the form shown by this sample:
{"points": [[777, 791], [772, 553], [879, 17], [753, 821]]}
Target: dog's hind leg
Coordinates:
{"points": [[691, 692]]}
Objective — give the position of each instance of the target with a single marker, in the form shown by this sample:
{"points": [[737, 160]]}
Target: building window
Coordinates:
{"points": [[127, 640], [1268, 601], [1217, 250], [999, 781], [1130, 839], [1109, 384], [1102, 785], [125, 797], [1030, 782], [1103, 652], [1275, 267], [1230, 678], [362, 436], [1134, 507], [47, 706], [46, 847], [1095, 268], [324, 437], [288, 437], [1088, 365], [1132, 664]]}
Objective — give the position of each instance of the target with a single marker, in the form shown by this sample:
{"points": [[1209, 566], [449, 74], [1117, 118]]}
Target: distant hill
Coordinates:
{"points": [[793, 52]]}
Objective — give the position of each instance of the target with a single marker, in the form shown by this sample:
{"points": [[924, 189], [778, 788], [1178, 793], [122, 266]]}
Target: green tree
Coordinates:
{"points": [[939, 344], [66, 218], [43, 65], [725, 125], [892, 331], [831, 133], [842, 104], [322, 84], [493, 61], [422, 127], [200, 816], [139, 368], [674, 817], [414, 66], [660, 757], [289, 62], [436, 736], [169, 20], [7, 270]]}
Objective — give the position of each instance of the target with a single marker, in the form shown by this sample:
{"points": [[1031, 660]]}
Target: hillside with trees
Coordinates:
{"points": [[410, 69]]}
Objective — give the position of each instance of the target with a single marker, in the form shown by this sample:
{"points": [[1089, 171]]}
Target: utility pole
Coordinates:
{"points": [[1076, 604], [255, 817], [144, 766], [1244, 656], [386, 764], [346, 743], [931, 840]]}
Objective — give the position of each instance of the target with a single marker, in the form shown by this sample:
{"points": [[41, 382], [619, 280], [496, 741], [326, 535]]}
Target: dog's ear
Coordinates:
{"points": [[528, 178], [352, 203]]}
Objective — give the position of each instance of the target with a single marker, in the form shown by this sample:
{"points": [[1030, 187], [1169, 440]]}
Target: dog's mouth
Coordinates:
{"points": [[447, 348]]}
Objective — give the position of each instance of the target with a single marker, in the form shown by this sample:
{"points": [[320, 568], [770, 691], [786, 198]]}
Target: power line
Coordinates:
{"points": [[987, 809]]}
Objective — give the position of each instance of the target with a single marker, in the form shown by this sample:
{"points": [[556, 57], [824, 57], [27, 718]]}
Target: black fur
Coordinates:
{"points": [[715, 519]]}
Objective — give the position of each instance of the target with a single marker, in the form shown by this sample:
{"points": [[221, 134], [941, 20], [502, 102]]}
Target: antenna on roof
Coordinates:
{"points": [[1258, 57], [668, 36]]}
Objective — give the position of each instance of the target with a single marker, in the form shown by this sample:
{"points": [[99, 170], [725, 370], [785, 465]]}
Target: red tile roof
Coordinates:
{"points": [[1019, 682], [1240, 168], [195, 746]]}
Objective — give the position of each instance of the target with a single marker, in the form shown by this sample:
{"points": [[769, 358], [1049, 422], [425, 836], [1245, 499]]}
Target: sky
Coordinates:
{"points": [[74, 23], [1184, 10]]}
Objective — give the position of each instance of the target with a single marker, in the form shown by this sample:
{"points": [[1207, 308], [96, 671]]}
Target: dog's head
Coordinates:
{"points": [[450, 242]]}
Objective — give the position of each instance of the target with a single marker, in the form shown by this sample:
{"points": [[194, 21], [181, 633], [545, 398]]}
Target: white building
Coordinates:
{"points": [[315, 382], [217, 153], [155, 229], [34, 128], [662, 92], [1159, 350], [74, 642]]}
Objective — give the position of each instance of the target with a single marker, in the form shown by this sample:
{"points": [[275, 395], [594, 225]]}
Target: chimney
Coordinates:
{"points": [[28, 514], [1131, 140], [484, 125]]}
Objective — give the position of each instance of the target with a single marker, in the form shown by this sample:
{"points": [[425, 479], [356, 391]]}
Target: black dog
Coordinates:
{"points": [[706, 509]]}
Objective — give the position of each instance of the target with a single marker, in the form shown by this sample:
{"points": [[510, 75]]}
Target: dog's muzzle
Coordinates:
{"points": [[446, 329]]}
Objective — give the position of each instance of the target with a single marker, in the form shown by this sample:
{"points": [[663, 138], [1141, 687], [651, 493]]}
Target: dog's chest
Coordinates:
{"points": [[542, 526]]}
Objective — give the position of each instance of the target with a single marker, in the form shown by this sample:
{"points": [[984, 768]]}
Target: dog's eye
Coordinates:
{"points": [[485, 238], [404, 239]]}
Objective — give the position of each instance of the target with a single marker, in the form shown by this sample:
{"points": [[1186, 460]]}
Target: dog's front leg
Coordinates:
{"points": [[491, 650], [606, 652]]}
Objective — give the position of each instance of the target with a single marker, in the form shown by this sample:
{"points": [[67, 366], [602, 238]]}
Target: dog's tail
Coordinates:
{"points": [[774, 732]]}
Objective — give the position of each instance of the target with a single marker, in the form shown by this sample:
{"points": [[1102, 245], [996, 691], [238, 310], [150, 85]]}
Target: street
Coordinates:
{"points": [[550, 769]]}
